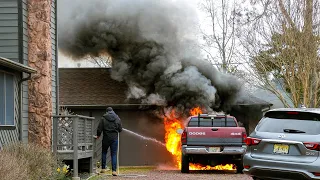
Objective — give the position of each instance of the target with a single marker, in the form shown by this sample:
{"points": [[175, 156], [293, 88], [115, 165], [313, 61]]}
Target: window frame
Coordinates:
{"points": [[14, 97]]}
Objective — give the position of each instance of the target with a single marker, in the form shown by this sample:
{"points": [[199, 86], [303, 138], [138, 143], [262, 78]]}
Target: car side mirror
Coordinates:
{"points": [[179, 131]]}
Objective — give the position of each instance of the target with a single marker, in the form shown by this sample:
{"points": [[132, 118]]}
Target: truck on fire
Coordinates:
{"points": [[212, 140]]}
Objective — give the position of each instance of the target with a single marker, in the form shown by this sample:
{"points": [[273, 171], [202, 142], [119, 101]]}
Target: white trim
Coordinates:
{"points": [[16, 66]]}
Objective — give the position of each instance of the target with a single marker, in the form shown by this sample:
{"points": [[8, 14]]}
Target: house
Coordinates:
{"points": [[249, 110], [89, 91], [28, 70]]}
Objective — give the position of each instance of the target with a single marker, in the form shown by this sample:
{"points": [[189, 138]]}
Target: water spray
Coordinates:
{"points": [[144, 137]]}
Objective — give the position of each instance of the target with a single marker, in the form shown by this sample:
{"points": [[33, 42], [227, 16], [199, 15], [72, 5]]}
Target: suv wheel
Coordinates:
{"points": [[239, 165], [184, 164]]}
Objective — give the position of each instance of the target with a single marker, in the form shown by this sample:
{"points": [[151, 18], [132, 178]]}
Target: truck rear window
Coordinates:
{"points": [[212, 122]]}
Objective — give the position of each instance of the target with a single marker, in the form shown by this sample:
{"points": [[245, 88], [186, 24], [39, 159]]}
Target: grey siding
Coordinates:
{"points": [[9, 36], [10, 47], [8, 136], [53, 31], [23, 36]]}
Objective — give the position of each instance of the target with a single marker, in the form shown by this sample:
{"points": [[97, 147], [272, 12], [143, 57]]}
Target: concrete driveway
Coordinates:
{"points": [[174, 174]]}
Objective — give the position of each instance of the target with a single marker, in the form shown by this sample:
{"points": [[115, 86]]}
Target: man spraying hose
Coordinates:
{"points": [[110, 125]]}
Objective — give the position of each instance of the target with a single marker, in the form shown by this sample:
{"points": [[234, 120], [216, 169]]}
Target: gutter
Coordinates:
{"points": [[103, 106], [16, 66]]}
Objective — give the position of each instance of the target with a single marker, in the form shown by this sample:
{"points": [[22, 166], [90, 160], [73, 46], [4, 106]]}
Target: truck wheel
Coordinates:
{"points": [[239, 167], [184, 164]]}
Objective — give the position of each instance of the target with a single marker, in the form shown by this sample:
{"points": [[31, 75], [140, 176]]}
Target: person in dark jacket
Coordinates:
{"points": [[110, 125]]}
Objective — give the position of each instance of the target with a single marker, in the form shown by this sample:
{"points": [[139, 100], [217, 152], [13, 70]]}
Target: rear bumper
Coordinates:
{"points": [[205, 150], [279, 169]]}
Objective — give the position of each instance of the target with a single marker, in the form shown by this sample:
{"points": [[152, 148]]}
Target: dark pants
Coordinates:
{"points": [[113, 144]]}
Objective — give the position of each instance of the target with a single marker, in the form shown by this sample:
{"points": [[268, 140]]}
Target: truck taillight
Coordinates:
{"points": [[312, 146], [252, 141], [244, 137], [184, 137]]}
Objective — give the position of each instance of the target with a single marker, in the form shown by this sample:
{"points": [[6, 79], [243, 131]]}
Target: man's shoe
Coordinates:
{"points": [[103, 171], [114, 173]]}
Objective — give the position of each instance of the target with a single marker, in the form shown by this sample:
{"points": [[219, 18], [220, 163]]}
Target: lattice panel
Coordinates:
{"points": [[81, 129], [89, 132], [65, 133]]}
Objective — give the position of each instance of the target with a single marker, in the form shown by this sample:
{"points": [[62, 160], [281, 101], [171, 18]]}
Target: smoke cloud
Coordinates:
{"points": [[153, 48]]}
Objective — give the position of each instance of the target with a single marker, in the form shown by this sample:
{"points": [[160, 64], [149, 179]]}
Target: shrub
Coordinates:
{"points": [[29, 161], [11, 167]]}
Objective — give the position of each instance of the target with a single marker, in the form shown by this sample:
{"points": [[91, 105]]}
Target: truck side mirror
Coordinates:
{"points": [[240, 124], [179, 131]]}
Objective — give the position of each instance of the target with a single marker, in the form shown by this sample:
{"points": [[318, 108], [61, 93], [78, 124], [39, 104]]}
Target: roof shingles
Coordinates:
{"points": [[90, 86], [94, 86]]}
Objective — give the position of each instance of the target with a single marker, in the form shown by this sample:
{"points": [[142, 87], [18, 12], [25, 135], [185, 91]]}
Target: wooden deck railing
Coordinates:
{"points": [[73, 139]]}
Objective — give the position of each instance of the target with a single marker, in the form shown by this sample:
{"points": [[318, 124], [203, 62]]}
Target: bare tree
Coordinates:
{"points": [[101, 61], [282, 49], [220, 39]]}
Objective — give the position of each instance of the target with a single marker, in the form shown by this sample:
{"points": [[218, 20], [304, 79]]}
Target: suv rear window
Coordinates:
{"points": [[212, 122], [278, 122]]}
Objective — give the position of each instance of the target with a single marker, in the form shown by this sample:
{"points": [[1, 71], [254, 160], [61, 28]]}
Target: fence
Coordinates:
{"points": [[73, 139]]}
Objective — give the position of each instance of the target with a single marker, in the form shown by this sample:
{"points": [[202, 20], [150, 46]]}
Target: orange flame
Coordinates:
{"points": [[173, 144], [195, 111], [172, 138]]}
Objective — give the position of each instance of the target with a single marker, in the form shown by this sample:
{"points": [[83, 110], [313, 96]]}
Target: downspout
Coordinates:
{"points": [[20, 102]]}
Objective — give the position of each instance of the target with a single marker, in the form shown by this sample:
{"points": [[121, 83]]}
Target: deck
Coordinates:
{"points": [[73, 139]]}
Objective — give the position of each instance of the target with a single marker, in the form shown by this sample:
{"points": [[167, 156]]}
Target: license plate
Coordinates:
{"points": [[214, 149], [281, 149]]}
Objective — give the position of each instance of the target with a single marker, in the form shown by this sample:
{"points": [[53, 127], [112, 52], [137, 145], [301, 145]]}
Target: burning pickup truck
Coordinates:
{"points": [[212, 140]]}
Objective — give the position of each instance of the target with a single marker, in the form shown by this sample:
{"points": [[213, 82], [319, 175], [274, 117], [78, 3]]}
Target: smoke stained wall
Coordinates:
{"points": [[153, 47]]}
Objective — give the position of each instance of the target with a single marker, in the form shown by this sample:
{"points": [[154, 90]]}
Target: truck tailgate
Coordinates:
{"points": [[221, 136]]}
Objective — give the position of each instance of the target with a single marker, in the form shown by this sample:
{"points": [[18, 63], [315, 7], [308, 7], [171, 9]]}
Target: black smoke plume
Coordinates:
{"points": [[153, 49]]}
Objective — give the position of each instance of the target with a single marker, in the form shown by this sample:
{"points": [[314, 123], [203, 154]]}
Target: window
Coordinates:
{"points": [[6, 99], [306, 123], [273, 125], [212, 122]]}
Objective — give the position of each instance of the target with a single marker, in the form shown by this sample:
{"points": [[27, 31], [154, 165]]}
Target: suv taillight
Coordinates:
{"points": [[252, 141], [244, 137], [312, 146]]}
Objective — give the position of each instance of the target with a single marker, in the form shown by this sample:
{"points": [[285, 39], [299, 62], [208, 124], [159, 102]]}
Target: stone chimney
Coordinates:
{"points": [[40, 102]]}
